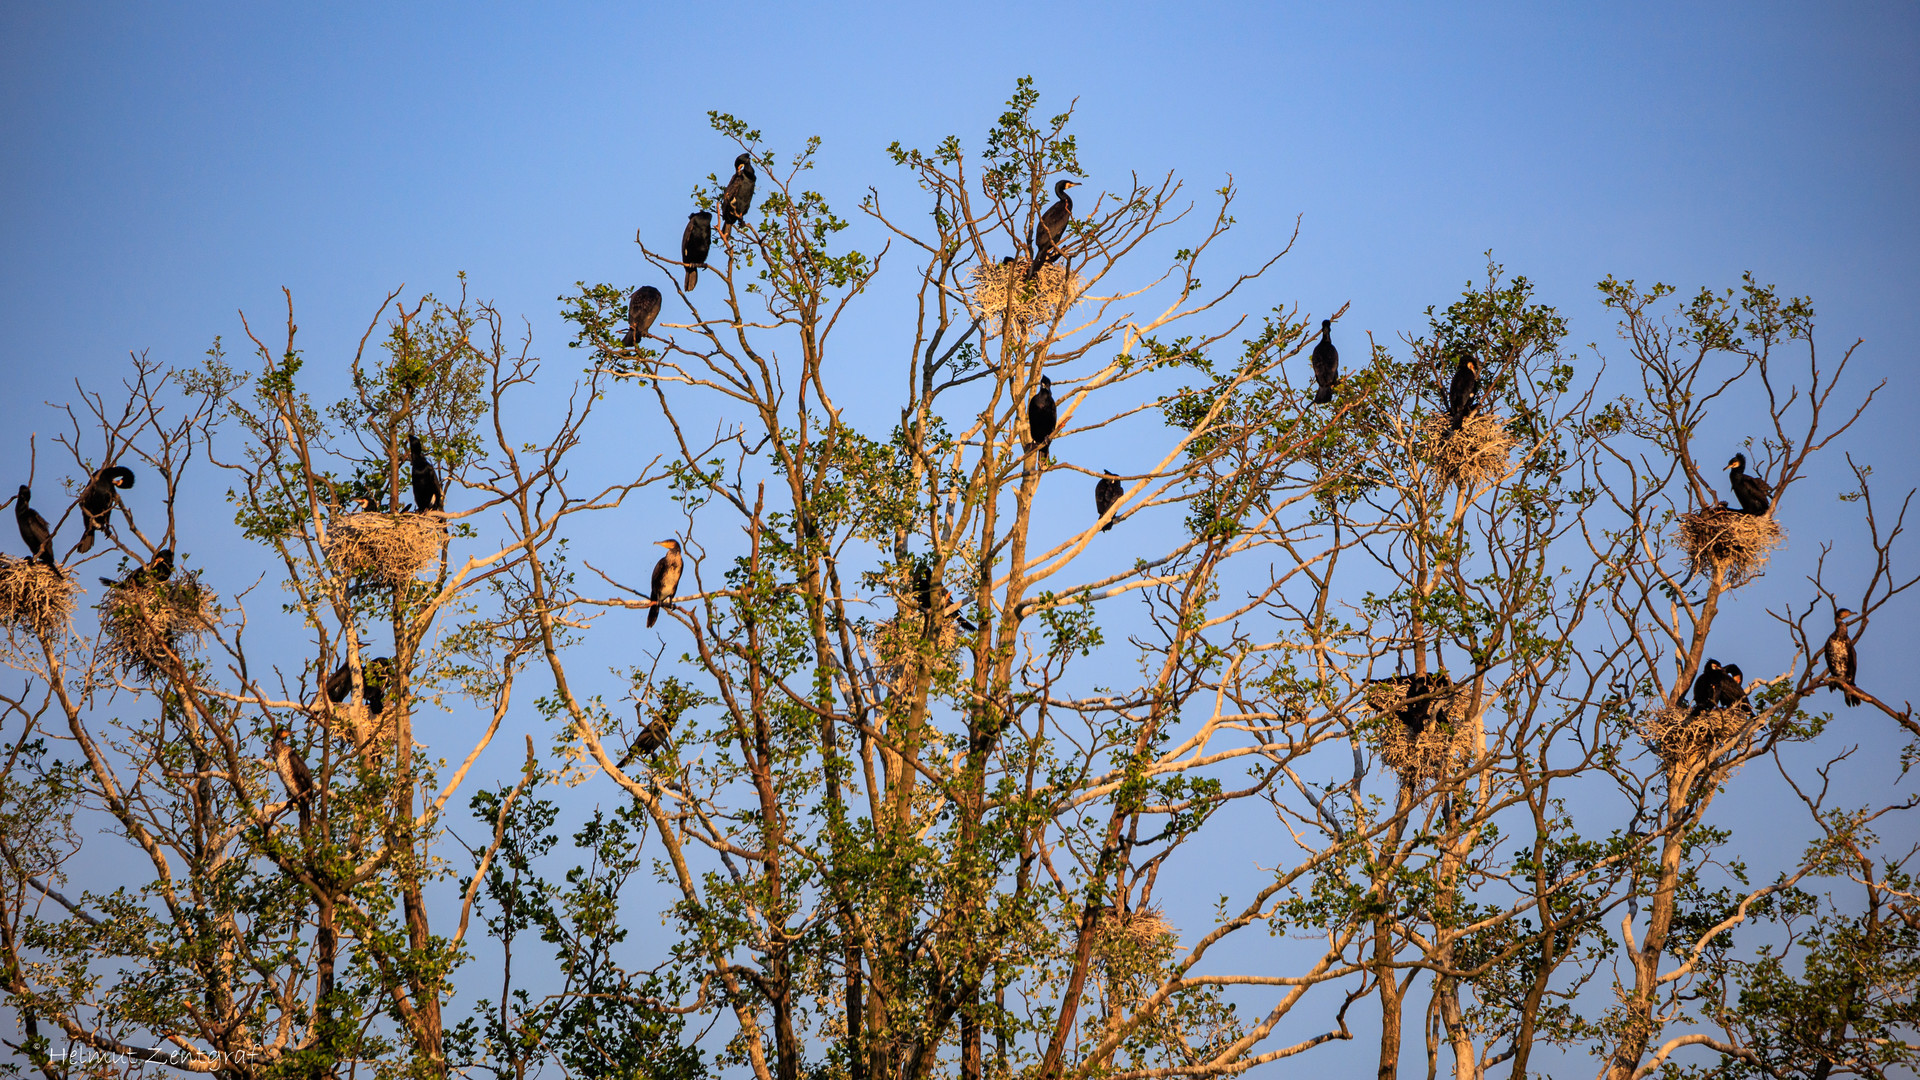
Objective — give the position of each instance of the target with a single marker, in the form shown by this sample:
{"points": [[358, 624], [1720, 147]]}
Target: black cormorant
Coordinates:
{"points": [[373, 679], [158, 569], [1733, 688], [642, 308], [695, 243], [1326, 364], [1463, 397], [1041, 418], [1420, 696], [652, 737], [738, 198], [1052, 228], [1105, 494], [1754, 494], [1706, 687], [1843, 663], [96, 502], [291, 767], [426, 480], [33, 528], [666, 579]]}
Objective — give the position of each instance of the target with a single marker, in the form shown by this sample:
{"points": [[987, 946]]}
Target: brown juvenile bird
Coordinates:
{"points": [[1105, 494], [666, 579], [651, 738], [96, 502], [1843, 662], [291, 767], [642, 308]]}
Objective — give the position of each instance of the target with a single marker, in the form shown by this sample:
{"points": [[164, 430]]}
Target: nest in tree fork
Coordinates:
{"points": [[389, 548], [905, 648], [1475, 454], [1678, 733], [1444, 743], [1003, 294], [142, 626], [35, 596], [1725, 537], [1133, 940]]}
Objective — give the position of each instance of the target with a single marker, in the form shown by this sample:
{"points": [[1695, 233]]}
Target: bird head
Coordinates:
{"points": [[701, 215], [1326, 326], [25, 494], [164, 555], [1842, 615], [744, 161], [1061, 187], [281, 734], [120, 478], [1712, 665], [1108, 472], [1739, 462], [670, 545], [1733, 672]]}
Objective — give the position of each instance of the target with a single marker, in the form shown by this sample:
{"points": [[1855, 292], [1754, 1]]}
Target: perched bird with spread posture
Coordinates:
{"points": [[291, 767], [666, 579], [426, 479], [695, 244], [642, 308], [1843, 663], [96, 502], [33, 528], [1326, 364], [1463, 397], [1042, 419], [652, 737], [158, 569], [373, 680], [738, 198], [1105, 494], [1754, 494], [1052, 228]]}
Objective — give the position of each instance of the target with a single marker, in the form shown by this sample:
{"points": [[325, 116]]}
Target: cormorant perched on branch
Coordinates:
{"points": [[695, 243], [1041, 419], [96, 502], [1719, 687], [1326, 364], [158, 569], [1843, 663], [1754, 494], [738, 198], [666, 578], [426, 480], [1053, 228], [291, 767], [642, 308], [1463, 397], [1105, 494], [652, 737], [33, 529], [373, 680]]}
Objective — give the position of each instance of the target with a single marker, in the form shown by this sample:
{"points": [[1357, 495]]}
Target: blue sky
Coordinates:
{"points": [[168, 166]]}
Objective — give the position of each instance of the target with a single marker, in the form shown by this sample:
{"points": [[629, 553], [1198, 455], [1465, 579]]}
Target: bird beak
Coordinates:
{"points": [[659, 543]]}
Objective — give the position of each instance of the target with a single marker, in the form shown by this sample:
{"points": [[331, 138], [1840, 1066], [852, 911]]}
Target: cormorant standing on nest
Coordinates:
{"points": [[426, 480], [642, 308], [1733, 688], [738, 198], [1754, 494], [666, 578], [651, 738], [1105, 494], [1843, 663], [1706, 687], [1053, 228], [695, 243], [33, 529], [1419, 696], [96, 502], [1041, 418], [1463, 397], [158, 569], [292, 768], [1326, 364], [373, 680]]}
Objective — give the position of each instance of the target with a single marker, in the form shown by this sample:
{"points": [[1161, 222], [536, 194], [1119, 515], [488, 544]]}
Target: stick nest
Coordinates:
{"points": [[142, 627], [1442, 745], [35, 596], [1133, 940], [389, 548], [1476, 454], [1002, 293], [1678, 733], [1725, 537]]}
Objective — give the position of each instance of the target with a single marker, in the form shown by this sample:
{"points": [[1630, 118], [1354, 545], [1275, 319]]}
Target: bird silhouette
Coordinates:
{"points": [[695, 243], [427, 494], [292, 768], [642, 308], [1052, 228], [1752, 492], [373, 680], [1042, 419], [1843, 661], [652, 737], [737, 199], [1463, 396], [96, 502], [1105, 494], [33, 529], [666, 579], [1326, 364]]}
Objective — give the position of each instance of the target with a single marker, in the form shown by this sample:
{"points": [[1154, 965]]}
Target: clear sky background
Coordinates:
{"points": [[166, 166]]}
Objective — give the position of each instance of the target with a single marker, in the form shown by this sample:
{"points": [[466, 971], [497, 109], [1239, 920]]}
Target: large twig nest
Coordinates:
{"points": [[35, 596], [1133, 940], [1476, 454], [1003, 293], [143, 626], [388, 548], [1441, 745], [1722, 536], [1678, 733]]}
